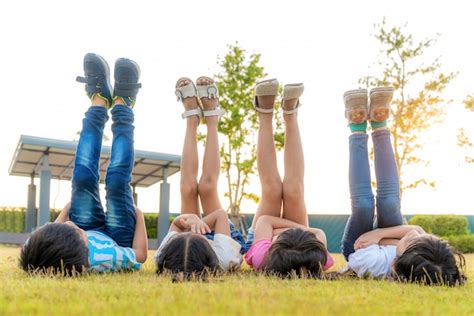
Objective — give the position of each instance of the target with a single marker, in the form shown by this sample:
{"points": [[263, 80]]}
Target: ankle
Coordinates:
{"points": [[96, 100], [361, 127], [378, 125], [119, 100]]}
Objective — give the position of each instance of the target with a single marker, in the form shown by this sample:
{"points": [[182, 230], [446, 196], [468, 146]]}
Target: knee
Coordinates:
{"points": [[293, 190], [83, 177], [363, 205], [189, 189], [116, 181], [272, 190], [207, 185]]}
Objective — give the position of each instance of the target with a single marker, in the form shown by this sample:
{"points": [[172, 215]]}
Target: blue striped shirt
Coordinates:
{"points": [[105, 255]]}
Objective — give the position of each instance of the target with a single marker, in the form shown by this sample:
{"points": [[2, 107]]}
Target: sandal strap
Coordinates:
{"points": [[259, 109], [216, 112], [187, 91], [126, 89], [292, 110], [194, 112], [208, 91]]}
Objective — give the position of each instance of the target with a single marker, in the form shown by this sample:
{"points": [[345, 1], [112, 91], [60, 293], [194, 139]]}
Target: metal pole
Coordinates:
{"points": [[30, 216], [164, 215], [135, 195], [45, 184]]}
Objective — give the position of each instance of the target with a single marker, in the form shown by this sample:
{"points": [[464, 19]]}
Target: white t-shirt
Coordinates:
{"points": [[227, 250], [374, 260]]}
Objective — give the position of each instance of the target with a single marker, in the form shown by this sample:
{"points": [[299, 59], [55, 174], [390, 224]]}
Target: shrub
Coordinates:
{"points": [[463, 243], [441, 225]]}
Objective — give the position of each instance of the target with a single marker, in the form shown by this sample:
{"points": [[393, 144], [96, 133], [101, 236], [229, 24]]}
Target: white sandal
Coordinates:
{"points": [[188, 91], [265, 88], [211, 92], [292, 91]]}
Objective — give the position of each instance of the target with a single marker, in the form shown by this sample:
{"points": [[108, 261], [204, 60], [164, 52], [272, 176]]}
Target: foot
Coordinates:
{"points": [[189, 103], [126, 74], [290, 104], [380, 99], [356, 106], [266, 101], [208, 104], [97, 78]]}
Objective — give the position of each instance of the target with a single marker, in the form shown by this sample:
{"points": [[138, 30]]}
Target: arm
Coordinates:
{"points": [[140, 239], [189, 222], [267, 225], [375, 236], [218, 221], [64, 214]]}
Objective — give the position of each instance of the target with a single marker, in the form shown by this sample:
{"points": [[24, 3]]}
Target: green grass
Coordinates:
{"points": [[244, 293]]}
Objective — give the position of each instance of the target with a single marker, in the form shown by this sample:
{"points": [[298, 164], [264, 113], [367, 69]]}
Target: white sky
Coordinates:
{"points": [[327, 45]]}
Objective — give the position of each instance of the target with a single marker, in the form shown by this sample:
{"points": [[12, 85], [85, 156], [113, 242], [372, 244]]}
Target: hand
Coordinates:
{"points": [[195, 224], [367, 239]]}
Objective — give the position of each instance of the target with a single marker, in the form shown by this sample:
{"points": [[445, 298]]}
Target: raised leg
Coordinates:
{"points": [[388, 183], [362, 198], [121, 217], [86, 209], [189, 159], [294, 207], [270, 180], [211, 165]]}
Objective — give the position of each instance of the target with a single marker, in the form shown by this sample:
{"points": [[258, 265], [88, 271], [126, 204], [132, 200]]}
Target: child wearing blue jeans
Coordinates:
{"points": [[84, 237], [392, 248]]}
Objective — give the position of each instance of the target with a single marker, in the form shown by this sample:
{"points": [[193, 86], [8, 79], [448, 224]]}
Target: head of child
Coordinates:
{"points": [[296, 252], [58, 248], [187, 256], [424, 258]]}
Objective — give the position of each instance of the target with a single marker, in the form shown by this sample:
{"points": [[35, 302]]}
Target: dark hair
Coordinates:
{"points": [[296, 252], [431, 261], [55, 248], [187, 256]]}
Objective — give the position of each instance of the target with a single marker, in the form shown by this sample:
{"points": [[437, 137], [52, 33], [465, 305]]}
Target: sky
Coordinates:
{"points": [[327, 45]]}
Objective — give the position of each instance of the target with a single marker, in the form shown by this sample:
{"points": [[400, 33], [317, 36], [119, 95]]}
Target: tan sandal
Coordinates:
{"points": [[188, 91], [265, 88], [380, 99], [292, 91], [211, 92], [356, 106]]}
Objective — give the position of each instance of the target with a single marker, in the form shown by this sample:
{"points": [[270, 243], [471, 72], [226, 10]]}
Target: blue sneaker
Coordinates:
{"points": [[126, 74], [97, 78]]}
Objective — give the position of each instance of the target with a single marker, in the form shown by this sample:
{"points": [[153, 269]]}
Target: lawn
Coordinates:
{"points": [[244, 293]]}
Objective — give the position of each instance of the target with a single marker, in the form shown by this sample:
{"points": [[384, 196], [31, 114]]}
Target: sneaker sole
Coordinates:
{"points": [[105, 65]]}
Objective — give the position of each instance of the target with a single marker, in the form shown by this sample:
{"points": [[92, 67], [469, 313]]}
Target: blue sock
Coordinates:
{"points": [[361, 127]]}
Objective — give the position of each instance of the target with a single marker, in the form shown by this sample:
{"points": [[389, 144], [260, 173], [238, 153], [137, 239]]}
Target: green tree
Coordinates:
{"points": [[239, 125], [419, 84], [463, 139]]}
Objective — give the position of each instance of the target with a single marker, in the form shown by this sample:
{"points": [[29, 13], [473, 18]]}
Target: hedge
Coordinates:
{"points": [[463, 243], [12, 219], [442, 225]]}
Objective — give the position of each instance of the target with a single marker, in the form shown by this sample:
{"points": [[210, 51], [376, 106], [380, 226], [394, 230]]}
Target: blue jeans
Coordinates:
{"points": [[235, 235], [362, 198], [86, 208]]}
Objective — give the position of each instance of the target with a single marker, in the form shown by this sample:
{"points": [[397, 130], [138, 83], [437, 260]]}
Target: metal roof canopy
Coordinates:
{"points": [[54, 159], [30, 151]]}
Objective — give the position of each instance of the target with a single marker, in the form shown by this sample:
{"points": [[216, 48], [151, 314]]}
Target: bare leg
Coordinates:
{"points": [[270, 179], [212, 162], [189, 160], [294, 207]]}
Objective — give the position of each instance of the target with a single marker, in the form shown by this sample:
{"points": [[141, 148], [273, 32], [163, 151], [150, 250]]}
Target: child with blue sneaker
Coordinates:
{"points": [[84, 237]]}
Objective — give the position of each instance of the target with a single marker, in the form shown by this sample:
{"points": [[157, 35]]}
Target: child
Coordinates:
{"points": [[407, 250], [194, 246], [83, 237], [283, 244]]}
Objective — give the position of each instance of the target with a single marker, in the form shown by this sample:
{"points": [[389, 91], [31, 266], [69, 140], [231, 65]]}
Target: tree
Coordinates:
{"points": [[463, 139], [239, 125], [418, 103]]}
